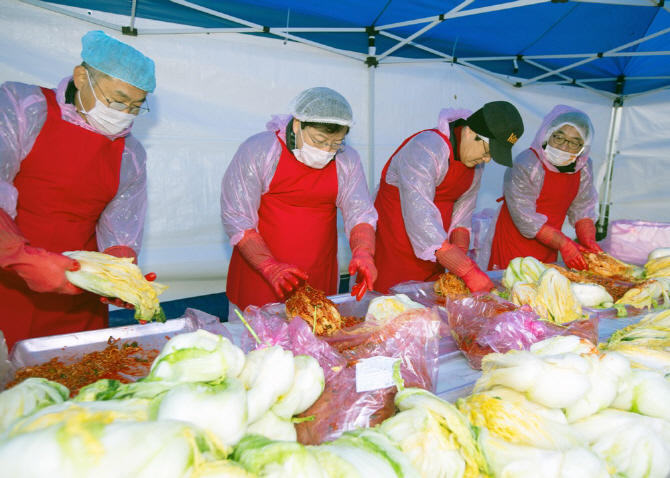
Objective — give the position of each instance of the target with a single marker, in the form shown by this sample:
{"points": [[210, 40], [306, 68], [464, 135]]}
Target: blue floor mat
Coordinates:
{"points": [[215, 304]]}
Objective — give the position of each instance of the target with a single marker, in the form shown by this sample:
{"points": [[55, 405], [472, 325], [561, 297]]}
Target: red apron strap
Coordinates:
{"points": [[298, 220], [557, 194], [394, 254], [64, 184]]}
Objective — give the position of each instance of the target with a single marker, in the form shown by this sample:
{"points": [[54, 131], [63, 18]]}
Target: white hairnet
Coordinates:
{"points": [[322, 105], [574, 118]]}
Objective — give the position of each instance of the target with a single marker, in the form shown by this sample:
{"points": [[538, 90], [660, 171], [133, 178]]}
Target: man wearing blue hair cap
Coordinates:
{"points": [[72, 177]]}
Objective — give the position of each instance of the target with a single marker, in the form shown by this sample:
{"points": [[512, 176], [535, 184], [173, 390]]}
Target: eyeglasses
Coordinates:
{"points": [[333, 146], [487, 151], [117, 105], [573, 145]]}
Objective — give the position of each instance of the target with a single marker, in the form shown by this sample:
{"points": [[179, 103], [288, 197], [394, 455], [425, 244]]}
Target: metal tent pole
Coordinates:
{"points": [[606, 187], [372, 66]]}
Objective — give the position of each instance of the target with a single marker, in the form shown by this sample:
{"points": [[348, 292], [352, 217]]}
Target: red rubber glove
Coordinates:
{"points": [[460, 237], [282, 277], [43, 271], [124, 251], [362, 243], [570, 250], [586, 234], [455, 260]]}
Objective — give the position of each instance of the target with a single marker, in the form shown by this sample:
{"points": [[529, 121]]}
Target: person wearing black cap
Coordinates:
{"points": [[551, 180], [428, 192]]}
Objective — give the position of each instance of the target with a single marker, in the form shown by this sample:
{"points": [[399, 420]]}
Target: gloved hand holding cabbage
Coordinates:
{"points": [[118, 277]]}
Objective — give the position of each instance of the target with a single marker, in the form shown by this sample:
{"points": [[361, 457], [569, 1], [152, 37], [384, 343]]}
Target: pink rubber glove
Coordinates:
{"points": [[43, 271], [282, 277], [454, 259], [362, 243], [124, 251], [586, 234], [460, 237], [570, 250]]}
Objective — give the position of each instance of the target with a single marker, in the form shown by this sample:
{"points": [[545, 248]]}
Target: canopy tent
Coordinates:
{"points": [[616, 48], [608, 46], [217, 87]]}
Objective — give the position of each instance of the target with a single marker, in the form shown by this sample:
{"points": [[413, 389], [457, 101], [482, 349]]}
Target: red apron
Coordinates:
{"points": [[64, 184], [394, 255], [298, 220], [558, 192]]}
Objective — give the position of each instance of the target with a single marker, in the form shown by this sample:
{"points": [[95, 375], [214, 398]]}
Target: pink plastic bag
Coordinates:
{"points": [[269, 328], [485, 323], [410, 337]]}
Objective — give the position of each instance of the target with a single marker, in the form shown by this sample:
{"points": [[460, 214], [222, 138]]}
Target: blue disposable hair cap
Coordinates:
{"points": [[118, 60]]}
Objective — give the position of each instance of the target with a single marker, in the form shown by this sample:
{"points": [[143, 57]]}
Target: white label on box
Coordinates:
{"points": [[374, 373]]}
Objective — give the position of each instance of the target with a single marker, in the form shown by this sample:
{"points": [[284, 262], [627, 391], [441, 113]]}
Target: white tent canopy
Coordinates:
{"points": [[215, 90]]}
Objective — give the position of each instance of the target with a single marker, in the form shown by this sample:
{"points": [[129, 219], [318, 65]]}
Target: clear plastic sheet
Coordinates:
{"points": [[411, 337]]}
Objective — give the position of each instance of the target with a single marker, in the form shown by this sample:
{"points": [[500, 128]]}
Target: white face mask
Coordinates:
{"points": [[558, 157], [105, 119], [311, 156]]}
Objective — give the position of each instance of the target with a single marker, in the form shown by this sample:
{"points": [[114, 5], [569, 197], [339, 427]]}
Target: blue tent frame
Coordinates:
{"points": [[615, 48]]}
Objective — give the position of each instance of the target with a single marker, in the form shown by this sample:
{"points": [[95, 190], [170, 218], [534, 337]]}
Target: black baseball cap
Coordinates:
{"points": [[501, 123]]}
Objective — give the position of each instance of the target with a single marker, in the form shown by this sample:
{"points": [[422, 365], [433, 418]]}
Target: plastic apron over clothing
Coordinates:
{"points": [[558, 192], [64, 184], [394, 254], [297, 218]]}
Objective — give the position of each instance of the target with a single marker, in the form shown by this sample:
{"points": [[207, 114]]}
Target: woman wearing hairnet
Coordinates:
{"points": [[551, 179], [72, 177], [279, 200]]}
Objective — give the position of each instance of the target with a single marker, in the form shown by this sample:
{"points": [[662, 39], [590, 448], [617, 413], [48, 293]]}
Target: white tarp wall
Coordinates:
{"points": [[641, 173], [215, 90]]}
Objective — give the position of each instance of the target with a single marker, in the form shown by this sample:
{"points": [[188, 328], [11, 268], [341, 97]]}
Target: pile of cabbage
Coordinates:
{"points": [[563, 409], [645, 344], [555, 298], [655, 284], [550, 294], [201, 397]]}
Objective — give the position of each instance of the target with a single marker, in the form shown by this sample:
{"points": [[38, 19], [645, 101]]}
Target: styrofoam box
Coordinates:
{"points": [[69, 348]]}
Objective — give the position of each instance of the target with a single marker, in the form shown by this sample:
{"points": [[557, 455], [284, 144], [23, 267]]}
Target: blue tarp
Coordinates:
{"points": [[519, 30]]}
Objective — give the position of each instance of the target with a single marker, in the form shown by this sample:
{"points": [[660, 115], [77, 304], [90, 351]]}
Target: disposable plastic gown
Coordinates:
{"points": [[23, 112], [250, 173], [523, 183], [416, 170]]}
